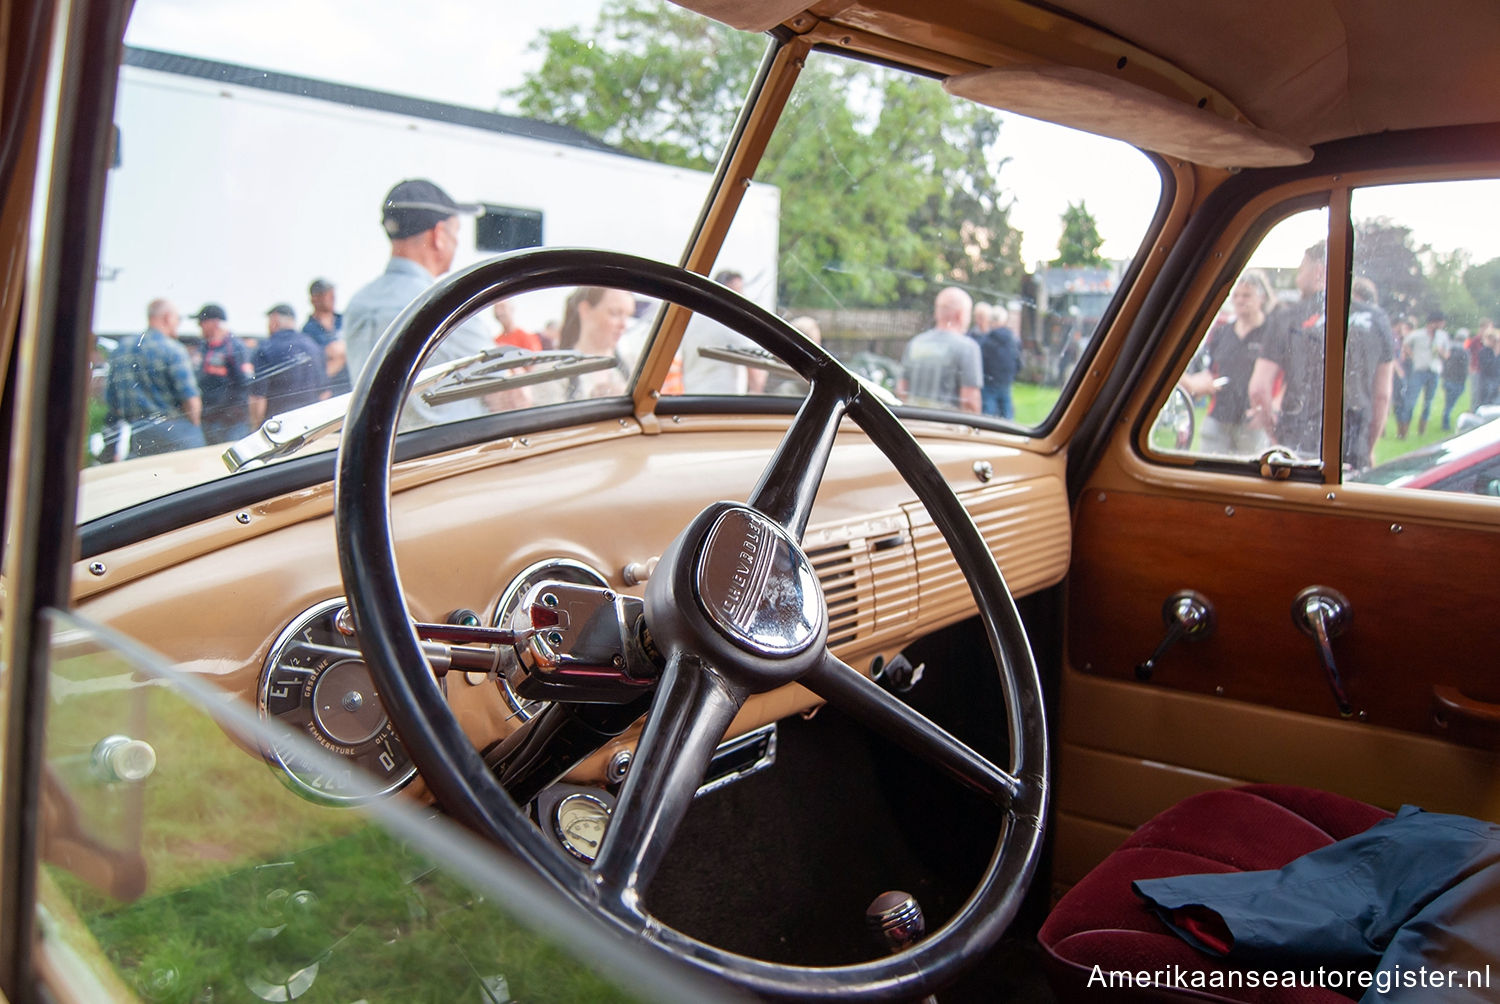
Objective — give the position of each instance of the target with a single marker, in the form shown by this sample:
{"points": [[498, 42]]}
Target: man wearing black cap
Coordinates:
{"points": [[289, 369], [223, 378], [421, 221]]}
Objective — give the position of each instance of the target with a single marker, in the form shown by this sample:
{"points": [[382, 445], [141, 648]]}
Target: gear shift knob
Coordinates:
{"points": [[896, 919]]}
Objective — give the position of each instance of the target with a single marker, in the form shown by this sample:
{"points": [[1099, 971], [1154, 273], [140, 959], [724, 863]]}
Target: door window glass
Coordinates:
{"points": [[1426, 274], [1255, 379]]}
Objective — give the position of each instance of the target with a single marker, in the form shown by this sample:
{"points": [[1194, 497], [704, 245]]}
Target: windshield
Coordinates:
{"points": [[957, 258]]}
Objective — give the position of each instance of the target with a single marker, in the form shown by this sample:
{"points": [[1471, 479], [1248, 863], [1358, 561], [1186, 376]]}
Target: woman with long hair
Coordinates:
{"points": [[593, 321]]}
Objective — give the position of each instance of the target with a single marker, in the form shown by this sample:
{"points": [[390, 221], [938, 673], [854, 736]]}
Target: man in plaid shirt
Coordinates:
{"points": [[152, 393]]}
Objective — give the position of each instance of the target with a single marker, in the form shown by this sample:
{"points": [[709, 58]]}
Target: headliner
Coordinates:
{"points": [[1294, 72]]}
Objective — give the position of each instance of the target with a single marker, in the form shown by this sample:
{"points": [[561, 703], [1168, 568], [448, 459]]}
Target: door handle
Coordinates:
{"points": [[1323, 614], [1189, 616]]}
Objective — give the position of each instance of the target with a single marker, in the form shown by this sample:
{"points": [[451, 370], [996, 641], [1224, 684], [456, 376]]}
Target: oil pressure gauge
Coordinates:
{"points": [[316, 682]]}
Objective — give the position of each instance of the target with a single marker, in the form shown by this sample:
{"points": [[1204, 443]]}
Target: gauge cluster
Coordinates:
{"points": [[315, 682]]}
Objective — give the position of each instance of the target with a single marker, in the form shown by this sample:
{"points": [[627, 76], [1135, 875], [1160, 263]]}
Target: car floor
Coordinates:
{"points": [[782, 864]]}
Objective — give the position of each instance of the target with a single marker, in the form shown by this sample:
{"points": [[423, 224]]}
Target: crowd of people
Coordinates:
{"points": [[967, 361], [169, 391], [1262, 369]]}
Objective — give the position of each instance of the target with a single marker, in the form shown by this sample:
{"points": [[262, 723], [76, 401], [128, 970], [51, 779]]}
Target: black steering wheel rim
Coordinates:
{"points": [[451, 766]]}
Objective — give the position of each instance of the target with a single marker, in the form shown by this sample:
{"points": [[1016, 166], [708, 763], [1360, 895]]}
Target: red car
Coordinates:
{"points": [[1468, 463]]}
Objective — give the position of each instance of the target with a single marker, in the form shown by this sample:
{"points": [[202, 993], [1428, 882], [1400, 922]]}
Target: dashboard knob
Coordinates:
{"points": [[120, 758], [638, 571]]}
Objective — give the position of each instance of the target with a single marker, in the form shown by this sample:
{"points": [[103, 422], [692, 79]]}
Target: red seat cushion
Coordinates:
{"points": [[1102, 923]]}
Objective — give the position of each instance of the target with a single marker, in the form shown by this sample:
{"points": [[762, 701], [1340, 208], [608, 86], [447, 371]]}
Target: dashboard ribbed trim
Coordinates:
{"points": [[889, 577]]}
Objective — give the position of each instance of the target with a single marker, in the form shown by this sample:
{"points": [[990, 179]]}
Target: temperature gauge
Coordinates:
{"points": [[316, 682]]}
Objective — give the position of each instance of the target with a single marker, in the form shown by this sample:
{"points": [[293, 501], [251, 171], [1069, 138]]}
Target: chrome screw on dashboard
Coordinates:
{"points": [[896, 920], [984, 470], [243, 518], [97, 568], [619, 766]]}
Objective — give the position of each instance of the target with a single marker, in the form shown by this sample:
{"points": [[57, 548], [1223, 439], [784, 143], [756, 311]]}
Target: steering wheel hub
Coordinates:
{"points": [[757, 586]]}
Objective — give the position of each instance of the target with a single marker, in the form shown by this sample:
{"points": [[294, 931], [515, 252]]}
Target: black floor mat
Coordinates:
{"points": [[782, 865]]}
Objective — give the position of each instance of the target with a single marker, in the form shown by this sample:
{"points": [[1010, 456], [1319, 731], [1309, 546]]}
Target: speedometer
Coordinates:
{"points": [[315, 681]]}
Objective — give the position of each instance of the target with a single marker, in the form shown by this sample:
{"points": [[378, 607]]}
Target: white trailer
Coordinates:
{"points": [[281, 178]]}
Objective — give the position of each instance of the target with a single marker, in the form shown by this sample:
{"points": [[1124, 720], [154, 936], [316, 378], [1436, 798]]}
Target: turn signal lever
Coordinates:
{"points": [[1189, 617], [1323, 614]]}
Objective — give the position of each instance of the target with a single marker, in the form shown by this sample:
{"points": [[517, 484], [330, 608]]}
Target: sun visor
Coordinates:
{"points": [[747, 15], [1100, 103]]}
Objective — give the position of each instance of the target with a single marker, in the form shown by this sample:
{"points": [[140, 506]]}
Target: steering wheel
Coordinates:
{"points": [[735, 609]]}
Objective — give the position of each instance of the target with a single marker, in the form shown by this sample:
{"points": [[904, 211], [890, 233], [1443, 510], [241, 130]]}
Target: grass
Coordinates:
{"points": [[375, 918], [1389, 447], [251, 890], [1033, 402]]}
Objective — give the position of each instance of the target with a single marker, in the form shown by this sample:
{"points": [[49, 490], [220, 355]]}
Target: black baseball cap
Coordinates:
{"points": [[210, 312], [285, 309], [416, 206]]}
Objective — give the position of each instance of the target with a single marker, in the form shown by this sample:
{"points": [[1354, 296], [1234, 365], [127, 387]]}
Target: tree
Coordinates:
{"points": [[888, 186], [648, 81], [1483, 284], [1384, 253], [1445, 274], [1080, 240]]}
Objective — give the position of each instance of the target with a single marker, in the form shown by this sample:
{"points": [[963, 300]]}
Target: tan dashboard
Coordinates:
{"points": [[214, 596]]}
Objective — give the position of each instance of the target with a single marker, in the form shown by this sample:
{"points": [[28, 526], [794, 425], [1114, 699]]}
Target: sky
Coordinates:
{"points": [[482, 47]]}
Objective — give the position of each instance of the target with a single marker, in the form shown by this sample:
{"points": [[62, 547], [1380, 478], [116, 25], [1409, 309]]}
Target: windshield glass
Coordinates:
{"points": [[275, 199]]}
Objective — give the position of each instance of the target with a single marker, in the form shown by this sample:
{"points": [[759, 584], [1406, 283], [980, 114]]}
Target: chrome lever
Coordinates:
{"points": [[1323, 614], [1278, 463], [1189, 616]]}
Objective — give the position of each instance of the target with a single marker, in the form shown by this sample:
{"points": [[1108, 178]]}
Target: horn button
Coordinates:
{"points": [[757, 587]]}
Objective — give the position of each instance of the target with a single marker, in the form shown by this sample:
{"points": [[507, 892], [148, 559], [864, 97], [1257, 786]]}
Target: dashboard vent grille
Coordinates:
{"points": [[837, 568]]}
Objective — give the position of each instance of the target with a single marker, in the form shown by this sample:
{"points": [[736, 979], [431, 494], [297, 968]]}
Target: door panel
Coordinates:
{"points": [[1414, 593]]}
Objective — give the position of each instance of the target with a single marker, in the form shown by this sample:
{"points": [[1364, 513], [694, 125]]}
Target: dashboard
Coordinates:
{"points": [[252, 600]]}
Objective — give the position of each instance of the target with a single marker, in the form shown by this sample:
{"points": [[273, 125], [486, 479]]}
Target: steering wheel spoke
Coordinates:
{"points": [[790, 481], [694, 706], [866, 702]]}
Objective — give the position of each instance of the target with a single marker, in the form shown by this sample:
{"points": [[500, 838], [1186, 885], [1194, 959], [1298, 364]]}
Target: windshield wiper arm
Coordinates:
{"points": [[471, 376]]}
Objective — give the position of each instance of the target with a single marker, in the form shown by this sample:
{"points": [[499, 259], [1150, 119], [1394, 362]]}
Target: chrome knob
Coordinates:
{"points": [[1189, 616], [895, 918]]}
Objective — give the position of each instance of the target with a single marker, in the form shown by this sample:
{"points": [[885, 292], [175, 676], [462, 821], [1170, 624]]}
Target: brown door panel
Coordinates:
{"points": [[1413, 590]]}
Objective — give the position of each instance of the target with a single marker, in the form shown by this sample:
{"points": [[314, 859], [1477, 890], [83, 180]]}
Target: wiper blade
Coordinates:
{"points": [[757, 357], [761, 359], [481, 373], [499, 374]]}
